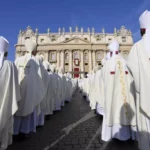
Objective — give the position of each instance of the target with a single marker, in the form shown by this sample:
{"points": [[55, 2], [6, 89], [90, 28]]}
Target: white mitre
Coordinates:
{"points": [[4, 44], [30, 45], [52, 67], [88, 75], [61, 70], [113, 48], [46, 65], [144, 20], [145, 24], [65, 74]]}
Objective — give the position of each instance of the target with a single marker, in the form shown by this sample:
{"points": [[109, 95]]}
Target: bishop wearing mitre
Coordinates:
{"points": [[45, 70], [32, 90], [119, 104], [69, 88], [63, 86], [100, 87], [9, 95], [139, 65], [56, 90]]}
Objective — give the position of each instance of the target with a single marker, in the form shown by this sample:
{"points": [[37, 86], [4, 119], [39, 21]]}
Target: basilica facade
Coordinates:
{"points": [[76, 51]]}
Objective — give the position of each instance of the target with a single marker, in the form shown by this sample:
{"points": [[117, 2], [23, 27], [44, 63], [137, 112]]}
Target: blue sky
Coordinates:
{"points": [[41, 14]]}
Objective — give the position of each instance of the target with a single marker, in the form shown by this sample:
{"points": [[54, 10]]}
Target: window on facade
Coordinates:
{"points": [[53, 39], [99, 63], [123, 39], [66, 56], [42, 40], [27, 38], [98, 55], [109, 39], [76, 55], [85, 56], [67, 38], [85, 38], [53, 56]]}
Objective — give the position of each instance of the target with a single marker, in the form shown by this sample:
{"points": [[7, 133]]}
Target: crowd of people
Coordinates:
{"points": [[31, 89], [120, 90]]}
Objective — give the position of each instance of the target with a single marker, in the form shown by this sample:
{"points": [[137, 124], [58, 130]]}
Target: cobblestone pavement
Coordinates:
{"points": [[75, 127]]}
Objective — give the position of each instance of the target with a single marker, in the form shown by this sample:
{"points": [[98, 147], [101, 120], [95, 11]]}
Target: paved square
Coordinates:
{"points": [[75, 127]]}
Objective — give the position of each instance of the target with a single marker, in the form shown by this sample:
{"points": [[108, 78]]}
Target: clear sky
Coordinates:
{"points": [[41, 14]]}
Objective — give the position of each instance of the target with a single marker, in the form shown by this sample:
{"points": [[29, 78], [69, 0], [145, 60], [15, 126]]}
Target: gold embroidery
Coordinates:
{"points": [[123, 88]]}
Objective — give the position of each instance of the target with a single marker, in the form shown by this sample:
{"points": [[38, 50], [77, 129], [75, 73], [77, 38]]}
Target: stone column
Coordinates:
{"points": [[58, 60], [70, 61], [62, 60], [90, 61], [47, 55], [82, 63], [94, 59]]}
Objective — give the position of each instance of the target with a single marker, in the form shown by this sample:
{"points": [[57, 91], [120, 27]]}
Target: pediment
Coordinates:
{"points": [[76, 40]]}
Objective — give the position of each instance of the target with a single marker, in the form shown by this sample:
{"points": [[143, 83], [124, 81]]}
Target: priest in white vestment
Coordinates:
{"points": [[69, 88], [119, 104], [100, 86], [98, 93], [32, 90], [49, 108], [44, 66], [74, 84], [86, 86], [139, 64], [9, 95], [93, 85], [63, 86], [57, 88]]}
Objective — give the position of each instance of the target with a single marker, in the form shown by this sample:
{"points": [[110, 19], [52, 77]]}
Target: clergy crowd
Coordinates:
{"points": [[120, 90], [31, 89]]}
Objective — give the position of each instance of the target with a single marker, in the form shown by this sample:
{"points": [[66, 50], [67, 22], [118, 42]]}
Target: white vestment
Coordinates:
{"points": [[63, 88], [119, 105], [46, 82], [69, 89], [31, 84], [9, 97], [99, 94], [51, 96], [100, 100], [58, 92], [138, 63], [92, 94]]}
